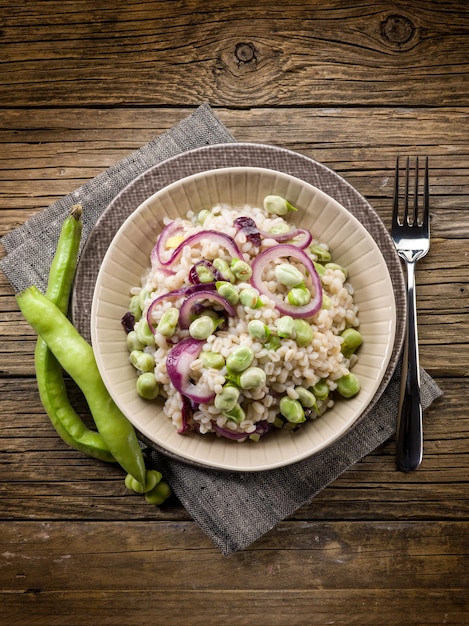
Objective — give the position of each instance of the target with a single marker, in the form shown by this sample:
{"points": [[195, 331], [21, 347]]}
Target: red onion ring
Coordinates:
{"points": [[222, 239], [178, 364], [287, 250], [304, 242], [192, 299], [173, 295], [159, 248]]}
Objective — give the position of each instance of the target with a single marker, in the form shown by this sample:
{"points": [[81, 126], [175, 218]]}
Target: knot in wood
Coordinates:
{"points": [[397, 29], [245, 52]]}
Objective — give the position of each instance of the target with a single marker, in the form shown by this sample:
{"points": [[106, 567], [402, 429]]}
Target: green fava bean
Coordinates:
{"points": [[239, 359], [305, 397], [144, 333], [147, 387], [285, 326], [212, 359], [352, 341], [227, 399], [202, 327], [281, 228], [133, 342], [241, 270], [202, 216], [348, 386], [252, 378], [326, 302], [292, 410], [277, 205], [228, 291], [321, 390], [258, 330], [142, 361], [299, 296], [76, 356], [224, 269], [303, 333], [159, 493], [336, 266], [273, 343], [49, 373], [288, 275], [320, 269], [168, 322], [236, 414], [323, 255], [249, 297], [135, 308]]}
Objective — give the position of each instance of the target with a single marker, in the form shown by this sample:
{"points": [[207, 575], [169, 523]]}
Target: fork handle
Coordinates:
{"points": [[409, 444]]}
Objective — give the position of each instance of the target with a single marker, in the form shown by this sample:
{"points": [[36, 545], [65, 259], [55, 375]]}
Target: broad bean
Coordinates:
{"points": [[241, 270], [227, 291], [285, 326], [249, 297], [212, 359], [202, 327], [142, 361], [49, 374], [292, 410], [348, 386], [352, 340], [288, 275], [147, 387], [258, 330], [277, 205], [227, 398], [303, 333], [168, 322], [77, 358], [239, 359], [252, 378], [299, 296]]}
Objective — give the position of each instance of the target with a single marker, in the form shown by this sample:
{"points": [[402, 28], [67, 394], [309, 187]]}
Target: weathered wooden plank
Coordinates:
{"points": [[300, 573], [275, 607], [38, 467], [238, 56]]}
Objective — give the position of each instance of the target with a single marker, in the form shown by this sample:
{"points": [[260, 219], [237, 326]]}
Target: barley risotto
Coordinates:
{"points": [[243, 323]]}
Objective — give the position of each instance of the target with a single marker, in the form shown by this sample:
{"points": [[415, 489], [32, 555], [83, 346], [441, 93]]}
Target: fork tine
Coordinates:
{"points": [[395, 206], [426, 203], [405, 219], [414, 221]]}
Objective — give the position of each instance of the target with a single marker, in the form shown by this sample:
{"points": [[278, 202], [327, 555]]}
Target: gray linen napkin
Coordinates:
{"points": [[233, 509]]}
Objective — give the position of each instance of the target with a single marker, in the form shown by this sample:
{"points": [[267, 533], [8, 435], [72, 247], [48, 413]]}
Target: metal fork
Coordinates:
{"points": [[411, 237]]}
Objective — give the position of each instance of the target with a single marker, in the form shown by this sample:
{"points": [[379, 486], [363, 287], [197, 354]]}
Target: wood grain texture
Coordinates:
{"points": [[303, 572], [349, 84], [234, 54]]}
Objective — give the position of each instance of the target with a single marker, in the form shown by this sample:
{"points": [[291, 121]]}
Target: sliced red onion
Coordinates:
{"points": [[171, 229], [230, 434], [173, 295], [192, 299], [178, 363], [253, 234], [188, 408], [194, 276], [222, 239], [287, 250]]}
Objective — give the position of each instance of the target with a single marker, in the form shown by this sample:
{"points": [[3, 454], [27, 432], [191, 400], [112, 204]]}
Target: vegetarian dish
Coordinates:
{"points": [[243, 323]]}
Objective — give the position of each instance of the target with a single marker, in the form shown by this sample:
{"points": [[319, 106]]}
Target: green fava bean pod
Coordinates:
{"points": [[49, 375], [77, 358]]}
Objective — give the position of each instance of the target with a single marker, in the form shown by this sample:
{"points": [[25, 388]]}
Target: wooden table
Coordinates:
{"points": [[352, 85]]}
